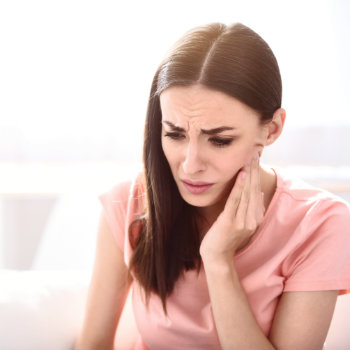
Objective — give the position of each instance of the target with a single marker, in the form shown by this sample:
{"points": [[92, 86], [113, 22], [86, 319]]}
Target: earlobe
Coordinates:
{"points": [[275, 126]]}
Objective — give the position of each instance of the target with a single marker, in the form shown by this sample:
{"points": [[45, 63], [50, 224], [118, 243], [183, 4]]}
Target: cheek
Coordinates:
{"points": [[231, 163], [230, 171]]}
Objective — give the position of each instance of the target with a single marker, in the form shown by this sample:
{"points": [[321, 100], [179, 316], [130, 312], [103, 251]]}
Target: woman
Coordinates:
{"points": [[221, 252]]}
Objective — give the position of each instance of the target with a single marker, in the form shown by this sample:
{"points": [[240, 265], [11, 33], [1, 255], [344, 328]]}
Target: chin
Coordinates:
{"points": [[202, 200], [200, 203]]}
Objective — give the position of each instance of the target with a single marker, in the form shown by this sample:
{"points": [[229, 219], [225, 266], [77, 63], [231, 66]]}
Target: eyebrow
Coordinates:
{"points": [[204, 131]]}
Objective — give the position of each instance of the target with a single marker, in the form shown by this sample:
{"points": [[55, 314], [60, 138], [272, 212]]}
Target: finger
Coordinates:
{"points": [[263, 202], [253, 212], [254, 207], [260, 197], [244, 200], [234, 197], [262, 208]]}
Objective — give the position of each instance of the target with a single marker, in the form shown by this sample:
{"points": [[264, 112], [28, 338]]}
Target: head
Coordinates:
{"points": [[215, 76]]}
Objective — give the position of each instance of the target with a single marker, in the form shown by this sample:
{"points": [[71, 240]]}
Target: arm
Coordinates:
{"points": [[107, 294], [302, 318], [301, 321], [235, 323]]}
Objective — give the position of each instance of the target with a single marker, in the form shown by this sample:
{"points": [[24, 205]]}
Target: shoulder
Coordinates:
{"points": [[122, 204], [119, 193], [123, 192], [306, 212], [301, 194], [125, 200], [314, 234]]}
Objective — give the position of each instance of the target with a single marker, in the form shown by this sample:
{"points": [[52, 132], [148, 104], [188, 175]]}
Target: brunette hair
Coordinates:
{"points": [[234, 60]]}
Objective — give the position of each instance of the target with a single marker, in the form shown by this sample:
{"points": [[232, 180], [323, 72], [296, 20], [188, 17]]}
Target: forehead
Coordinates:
{"points": [[200, 105]]}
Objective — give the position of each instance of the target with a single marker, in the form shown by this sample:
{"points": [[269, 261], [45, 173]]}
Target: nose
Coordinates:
{"points": [[193, 160]]}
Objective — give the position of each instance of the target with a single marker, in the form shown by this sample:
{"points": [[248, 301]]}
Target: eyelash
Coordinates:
{"points": [[216, 141]]}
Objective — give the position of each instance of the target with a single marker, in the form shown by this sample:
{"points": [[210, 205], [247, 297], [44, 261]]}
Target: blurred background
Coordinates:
{"points": [[74, 82]]}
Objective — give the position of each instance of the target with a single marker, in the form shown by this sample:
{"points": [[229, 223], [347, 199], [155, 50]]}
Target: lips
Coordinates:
{"points": [[196, 187]]}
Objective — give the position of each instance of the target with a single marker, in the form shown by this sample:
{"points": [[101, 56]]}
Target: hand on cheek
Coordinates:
{"points": [[243, 212]]}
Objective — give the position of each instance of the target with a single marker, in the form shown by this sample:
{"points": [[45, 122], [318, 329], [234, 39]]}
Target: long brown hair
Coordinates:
{"points": [[231, 59]]}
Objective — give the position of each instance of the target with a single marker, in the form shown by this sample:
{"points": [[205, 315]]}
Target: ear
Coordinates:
{"points": [[275, 126]]}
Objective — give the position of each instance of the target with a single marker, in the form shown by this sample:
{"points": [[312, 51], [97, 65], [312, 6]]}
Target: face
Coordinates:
{"points": [[207, 137]]}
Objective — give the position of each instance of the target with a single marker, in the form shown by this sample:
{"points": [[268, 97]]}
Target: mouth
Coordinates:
{"points": [[196, 187]]}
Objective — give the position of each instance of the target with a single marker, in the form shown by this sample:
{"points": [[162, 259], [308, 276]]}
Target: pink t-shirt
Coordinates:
{"points": [[303, 244]]}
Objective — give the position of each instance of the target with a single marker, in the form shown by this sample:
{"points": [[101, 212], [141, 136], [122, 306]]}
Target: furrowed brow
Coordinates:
{"points": [[173, 126], [204, 131], [216, 130]]}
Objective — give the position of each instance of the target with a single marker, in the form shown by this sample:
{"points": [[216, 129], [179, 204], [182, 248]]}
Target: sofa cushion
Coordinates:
{"points": [[41, 309]]}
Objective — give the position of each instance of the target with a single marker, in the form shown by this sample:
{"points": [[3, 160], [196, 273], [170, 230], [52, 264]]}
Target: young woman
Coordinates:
{"points": [[221, 252]]}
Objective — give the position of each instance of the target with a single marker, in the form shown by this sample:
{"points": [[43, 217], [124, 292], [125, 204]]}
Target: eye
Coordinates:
{"points": [[174, 135], [220, 142]]}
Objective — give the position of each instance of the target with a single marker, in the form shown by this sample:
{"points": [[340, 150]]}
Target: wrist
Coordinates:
{"points": [[215, 259]]}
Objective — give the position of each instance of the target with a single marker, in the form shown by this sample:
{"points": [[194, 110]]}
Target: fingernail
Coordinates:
{"points": [[256, 156], [243, 175]]}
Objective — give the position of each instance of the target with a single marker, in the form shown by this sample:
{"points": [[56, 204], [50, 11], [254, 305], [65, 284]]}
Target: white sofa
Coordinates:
{"points": [[43, 310]]}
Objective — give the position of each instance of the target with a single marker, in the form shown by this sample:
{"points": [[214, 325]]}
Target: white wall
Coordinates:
{"points": [[75, 75]]}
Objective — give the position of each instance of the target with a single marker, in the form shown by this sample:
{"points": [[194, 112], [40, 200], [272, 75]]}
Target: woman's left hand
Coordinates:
{"points": [[242, 214]]}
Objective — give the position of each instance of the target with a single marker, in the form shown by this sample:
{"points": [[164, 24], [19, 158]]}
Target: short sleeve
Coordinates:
{"points": [[322, 260], [115, 203]]}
